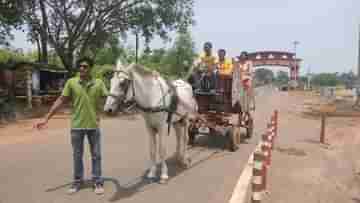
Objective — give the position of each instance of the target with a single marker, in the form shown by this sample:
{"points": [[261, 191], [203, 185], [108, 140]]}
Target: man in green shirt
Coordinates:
{"points": [[85, 94]]}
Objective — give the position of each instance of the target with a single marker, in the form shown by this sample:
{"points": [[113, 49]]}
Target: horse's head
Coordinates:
{"points": [[120, 88]]}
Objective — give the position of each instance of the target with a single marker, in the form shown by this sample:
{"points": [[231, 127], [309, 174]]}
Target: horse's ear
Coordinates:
{"points": [[130, 66], [155, 73], [119, 64]]}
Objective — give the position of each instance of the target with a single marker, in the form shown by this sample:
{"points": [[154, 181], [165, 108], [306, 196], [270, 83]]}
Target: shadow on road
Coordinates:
{"points": [[356, 200], [216, 142], [311, 141], [141, 183], [135, 186], [58, 187], [121, 191]]}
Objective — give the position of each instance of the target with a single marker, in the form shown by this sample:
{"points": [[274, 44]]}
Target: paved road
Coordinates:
{"points": [[40, 171]]}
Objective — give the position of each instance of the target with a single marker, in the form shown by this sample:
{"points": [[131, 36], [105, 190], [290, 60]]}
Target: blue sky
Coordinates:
{"points": [[326, 29]]}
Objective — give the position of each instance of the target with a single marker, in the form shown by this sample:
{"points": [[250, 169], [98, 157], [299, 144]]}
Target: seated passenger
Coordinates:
{"points": [[247, 93], [208, 80], [204, 77], [224, 65], [195, 77]]}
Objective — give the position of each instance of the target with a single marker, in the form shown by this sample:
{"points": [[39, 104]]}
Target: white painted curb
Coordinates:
{"points": [[241, 188]]}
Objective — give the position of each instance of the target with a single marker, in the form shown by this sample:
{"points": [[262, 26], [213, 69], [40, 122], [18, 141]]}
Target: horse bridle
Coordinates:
{"points": [[125, 86], [128, 80]]}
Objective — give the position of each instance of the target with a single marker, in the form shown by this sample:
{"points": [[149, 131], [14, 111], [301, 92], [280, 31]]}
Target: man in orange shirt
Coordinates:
{"points": [[224, 65]]}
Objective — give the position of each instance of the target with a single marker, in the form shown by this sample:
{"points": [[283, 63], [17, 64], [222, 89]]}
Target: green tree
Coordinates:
{"points": [[7, 57], [85, 26], [153, 58], [110, 52], [173, 62], [282, 77], [264, 75], [37, 20], [347, 79], [180, 57], [325, 79], [10, 17]]}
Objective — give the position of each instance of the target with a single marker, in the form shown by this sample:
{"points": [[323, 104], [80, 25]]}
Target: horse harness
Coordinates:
{"points": [[170, 109]]}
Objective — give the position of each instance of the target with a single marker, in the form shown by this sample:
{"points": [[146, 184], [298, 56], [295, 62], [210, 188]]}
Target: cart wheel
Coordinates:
{"points": [[230, 134], [213, 137], [192, 135], [250, 128]]}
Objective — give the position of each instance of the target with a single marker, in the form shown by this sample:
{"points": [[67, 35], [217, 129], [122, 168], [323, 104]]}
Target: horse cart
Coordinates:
{"points": [[219, 116]]}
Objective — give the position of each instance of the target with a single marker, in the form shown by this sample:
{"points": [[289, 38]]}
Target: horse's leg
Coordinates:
{"points": [[185, 137], [182, 136], [153, 149], [162, 151], [178, 142]]}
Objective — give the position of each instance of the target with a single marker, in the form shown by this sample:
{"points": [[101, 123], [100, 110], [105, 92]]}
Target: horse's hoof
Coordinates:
{"points": [[187, 163], [151, 174], [164, 179]]}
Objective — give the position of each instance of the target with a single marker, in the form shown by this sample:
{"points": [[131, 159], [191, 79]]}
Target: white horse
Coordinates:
{"points": [[154, 97]]}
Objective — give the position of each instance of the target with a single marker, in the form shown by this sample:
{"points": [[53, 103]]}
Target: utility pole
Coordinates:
{"points": [[293, 70], [295, 44], [137, 47], [295, 62]]}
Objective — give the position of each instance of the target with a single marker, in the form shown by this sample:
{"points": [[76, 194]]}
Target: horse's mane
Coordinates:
{"points": [[143, 71], [140, 69]]}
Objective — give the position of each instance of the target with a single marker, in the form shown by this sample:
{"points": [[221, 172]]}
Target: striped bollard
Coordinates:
{"points": [[266, 152], [266, 145], [271, 133], [276, 115], [273, 121], [258, 174]]}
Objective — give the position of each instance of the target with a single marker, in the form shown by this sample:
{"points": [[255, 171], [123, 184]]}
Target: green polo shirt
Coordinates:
{"points": [[85, 98]]}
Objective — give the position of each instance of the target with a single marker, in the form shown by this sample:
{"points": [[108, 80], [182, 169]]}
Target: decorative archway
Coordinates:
{"points": [[277, 58]]}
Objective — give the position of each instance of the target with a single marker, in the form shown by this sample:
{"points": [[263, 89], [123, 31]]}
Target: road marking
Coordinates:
{"points": [[241, 188], [239, 193]]}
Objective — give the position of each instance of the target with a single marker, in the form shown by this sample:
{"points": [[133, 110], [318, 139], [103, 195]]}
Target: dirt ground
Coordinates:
{"points": [[21, 130], [303, 170]]}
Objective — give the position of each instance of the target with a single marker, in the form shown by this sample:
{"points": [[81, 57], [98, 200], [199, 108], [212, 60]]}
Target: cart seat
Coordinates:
{"points": [[206, 93]]}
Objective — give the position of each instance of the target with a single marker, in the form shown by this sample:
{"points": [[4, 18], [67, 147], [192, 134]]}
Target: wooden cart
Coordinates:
{"points": [[220, 118]]}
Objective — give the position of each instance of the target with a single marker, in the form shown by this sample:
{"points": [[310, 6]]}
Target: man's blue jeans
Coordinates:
{"points": [[77, 141]]}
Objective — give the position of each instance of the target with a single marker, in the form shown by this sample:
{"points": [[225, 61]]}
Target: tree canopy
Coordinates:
{"points": [[10, 17], [325, 79], [282, 77], [181, 56], [83, 26], [175, 61], [264, 75]]}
